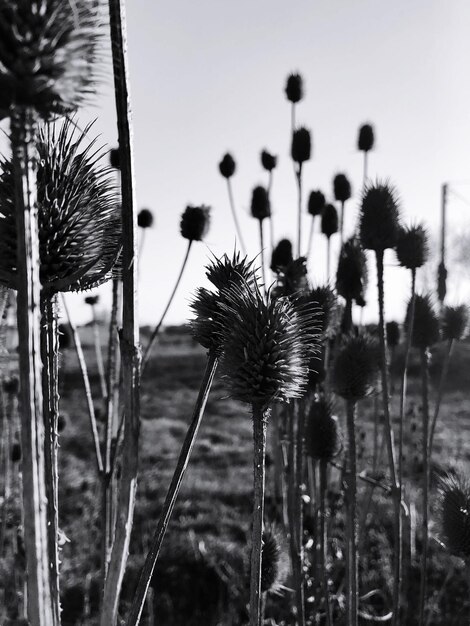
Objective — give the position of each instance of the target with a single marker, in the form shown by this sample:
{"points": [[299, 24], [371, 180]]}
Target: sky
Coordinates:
{"points": [[208, 77]]}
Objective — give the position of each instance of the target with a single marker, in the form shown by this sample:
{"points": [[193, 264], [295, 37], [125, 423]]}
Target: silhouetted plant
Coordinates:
{"points": [[351, 278], [315, 206], [365, 143], [227, 168], [269, 163], [342, 192], [261, 210], [329, 226], [294, 91], [455, 514], [301, 149], [282, 255]]}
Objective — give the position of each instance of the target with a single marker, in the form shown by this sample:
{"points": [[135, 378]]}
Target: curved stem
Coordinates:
{"points": [[324, 540], [172, 494], [440, 393], [351, 553], [299, 217], [426, 465], [235, 217], [156, 330]]}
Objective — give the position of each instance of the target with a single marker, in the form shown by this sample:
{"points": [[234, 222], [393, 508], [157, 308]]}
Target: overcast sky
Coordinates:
{"points": [[208, 77]]}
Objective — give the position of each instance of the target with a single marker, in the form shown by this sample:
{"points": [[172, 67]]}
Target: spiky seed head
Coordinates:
{"points": [[225, 271], [268, 344], [365, 140], [379, 218], [195, 222], [356, 367], [441, 282], [91, 300], [282, 255], [294, 89], [48, 54], [455, 514], [79, 218], [268, 160], [322, 436], [426, 323], [16, 452], [145, 218], [329, 220], [301, 148], [65, 337], [11, 385], [352, 273], [114, 158], [227, 166], [274, 559], [316, 203], [454, 322], [392, 330], [323, 298], [412, 246], [292, 279], [341, 187], [260, 205]]}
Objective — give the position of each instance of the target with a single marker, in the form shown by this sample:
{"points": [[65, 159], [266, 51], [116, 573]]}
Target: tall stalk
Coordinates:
{"points": [[130, 327], [172, 494], [42, 606], [299, 206], [299, 478], [364, 177], [310, 237], [440, 392], [324, 539], [235, 217], [271, 223], [351, 526], [99, 352], [426, 465], [261, 243], [341, 222]]}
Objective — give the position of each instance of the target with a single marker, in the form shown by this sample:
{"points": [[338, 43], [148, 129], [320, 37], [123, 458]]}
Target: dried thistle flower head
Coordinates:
{"points": [[227, 166], [78, 215], [267, 344], [268, 160], [365, 140], [260, 205], [301, 145], [225, 271], [48, 54], [292, 279], [341, 187], [91, 300], [274, 559], [455, 514], [412, 246], [392, 330], [294, 89], [329, 220], [114, 158], [145, 218], [356, 367], [352, 273], [195, 222], [426, 323], [322, 437], [316, 203], [454, 322], [379, 219], [282, 255], [324, 300]]}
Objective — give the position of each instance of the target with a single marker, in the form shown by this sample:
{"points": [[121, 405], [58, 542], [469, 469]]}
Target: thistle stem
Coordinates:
{"points": [[364, 180], [351, 528], [299, 479], [235, 217], [324, 540], [156, 330], [99, 353], [7, 432], [259, 438], [310, 237], [425, 434], [341, 223], [271, 222], [440, 392], [172, 494], [263, 269], [328, 258], [299, 231]]}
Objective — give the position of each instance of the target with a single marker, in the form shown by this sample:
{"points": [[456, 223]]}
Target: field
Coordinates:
{"points": [[202, 576]]}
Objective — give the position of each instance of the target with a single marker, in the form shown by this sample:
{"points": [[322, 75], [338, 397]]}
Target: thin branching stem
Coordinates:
{"points": [[99, 352], [310, 237], [341, 223], [299, 216], [299, 479], [351, 526], [426, 476], [263, 259], [235, 216], [271, 222], [324, 539], [172, 494], [440, 392]]}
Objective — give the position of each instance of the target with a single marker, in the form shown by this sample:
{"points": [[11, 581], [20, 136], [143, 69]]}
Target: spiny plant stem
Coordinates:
{"points": [[299, 231], [324, 540], [299, 478], [341, 223], [389, 433], [263, 268], [310, 237], [156, 330], [440, 392], [271, 222], [426, 465], [99, 353], [235, 217], [259, 438], [364, 179], [292, 119], [172, 494], [41, 605], [50, 388], [130, 349], [351, 552], [7, 432]]}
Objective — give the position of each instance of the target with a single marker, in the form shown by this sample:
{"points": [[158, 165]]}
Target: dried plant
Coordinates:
{"points": [[316, 204], [227, 168], [342, 193]]}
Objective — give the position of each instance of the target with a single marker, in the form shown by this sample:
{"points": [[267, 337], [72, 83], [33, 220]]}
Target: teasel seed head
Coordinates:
{"points": [[329, 220], [292, 279], [268, 344], [425, 324], [455, 514], [294, 88], [91, 300], [352, 273], [412, 246], [274, 559], [268, 160], [260, 205], [195, 222], [48, 54], [301, 145], [227, 166], [365, 140], [379, 219], [16, 452], [145, 218], [282, 255], [114, 158], [322, 440], [316, 203], [324, 300], [454, 322], [79, 218], [341, 187], [392, 330], [356, 367]]}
